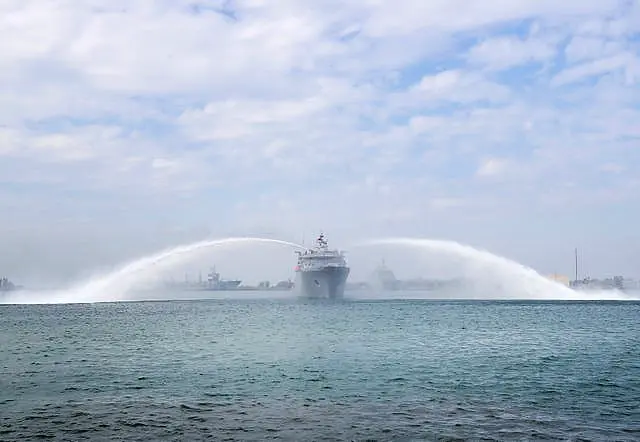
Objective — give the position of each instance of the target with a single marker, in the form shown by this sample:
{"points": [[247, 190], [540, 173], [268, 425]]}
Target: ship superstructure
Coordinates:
{"points": [[383, 278], [321, 272], [7, 286], [214, 282]]}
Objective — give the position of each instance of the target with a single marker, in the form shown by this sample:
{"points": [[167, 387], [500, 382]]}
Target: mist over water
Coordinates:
{"points": [[485, 275], [117, 285]]}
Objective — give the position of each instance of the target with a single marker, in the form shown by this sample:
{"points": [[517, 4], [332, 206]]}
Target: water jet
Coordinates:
{"points": [[115, 285], [492, 276]]}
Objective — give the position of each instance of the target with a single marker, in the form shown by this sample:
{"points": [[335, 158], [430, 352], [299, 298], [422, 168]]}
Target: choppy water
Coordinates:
{"points": [[289, 370]]}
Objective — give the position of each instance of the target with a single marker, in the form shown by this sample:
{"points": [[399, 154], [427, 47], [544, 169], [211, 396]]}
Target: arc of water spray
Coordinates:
{"points": [[117, 282], [526, 278]]}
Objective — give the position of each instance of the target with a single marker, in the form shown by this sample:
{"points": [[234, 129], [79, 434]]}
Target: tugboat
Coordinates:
{"points": [[321, 272]]}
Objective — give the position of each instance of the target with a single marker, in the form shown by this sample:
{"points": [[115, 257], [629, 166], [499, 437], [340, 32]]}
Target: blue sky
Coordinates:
{"points": [[511, 125]]}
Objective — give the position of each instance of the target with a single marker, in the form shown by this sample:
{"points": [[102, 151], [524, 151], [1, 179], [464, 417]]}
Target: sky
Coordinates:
{"points": [[131, 126]]}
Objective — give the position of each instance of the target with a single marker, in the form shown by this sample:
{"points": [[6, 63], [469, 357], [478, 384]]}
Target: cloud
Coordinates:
{"points": [[493, 167], [625, 62], [232, 119], [506, 52], [584, 48], [140, 120]]}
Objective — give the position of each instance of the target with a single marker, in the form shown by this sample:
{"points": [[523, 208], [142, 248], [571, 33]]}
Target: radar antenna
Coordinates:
{"points": [[322, 242]]}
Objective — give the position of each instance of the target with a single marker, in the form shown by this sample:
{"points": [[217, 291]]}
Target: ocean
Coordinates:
{"points": [[299, 370]]}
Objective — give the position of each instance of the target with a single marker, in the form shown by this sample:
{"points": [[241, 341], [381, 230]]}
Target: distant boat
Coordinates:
{"points": [[384, 278], [7, 286], [214, 282]]}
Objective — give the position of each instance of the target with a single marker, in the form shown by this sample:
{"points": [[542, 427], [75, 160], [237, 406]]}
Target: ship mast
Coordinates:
{"points": [[321, 242]]}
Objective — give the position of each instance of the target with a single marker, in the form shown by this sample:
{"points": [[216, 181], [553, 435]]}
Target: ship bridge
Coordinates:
{"points": [[321, 272], [320, 256]]}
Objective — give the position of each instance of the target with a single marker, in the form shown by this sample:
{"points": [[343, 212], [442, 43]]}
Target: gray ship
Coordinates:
{"points": [[321, 273], [7, 286], [214, 282]]}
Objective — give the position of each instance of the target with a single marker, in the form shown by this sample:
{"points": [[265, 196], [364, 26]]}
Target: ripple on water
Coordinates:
{"points": [[289, 371]]}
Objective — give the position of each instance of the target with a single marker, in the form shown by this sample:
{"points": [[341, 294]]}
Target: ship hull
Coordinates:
{"points": [[327, 283], [221, 286]]}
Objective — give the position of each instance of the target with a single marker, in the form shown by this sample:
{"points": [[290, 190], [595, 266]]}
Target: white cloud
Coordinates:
{"points": [[230, 120], [447, 203], [626, 62], [493, 167], [405, 16], [613, 168], [450, 86], [582, 48], [9, 138], [289, 116], [506, 52]]}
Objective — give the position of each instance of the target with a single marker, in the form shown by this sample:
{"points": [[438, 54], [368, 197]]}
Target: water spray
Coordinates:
{"points": [[115, 285], [484, 268]]}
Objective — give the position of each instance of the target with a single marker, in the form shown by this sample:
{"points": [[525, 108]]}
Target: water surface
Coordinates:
{"points": [[293, 370]]}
